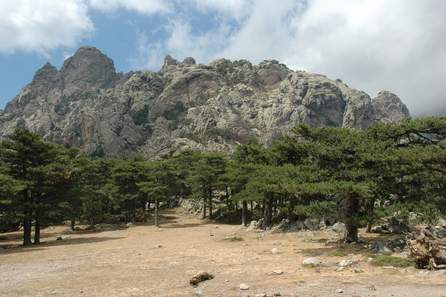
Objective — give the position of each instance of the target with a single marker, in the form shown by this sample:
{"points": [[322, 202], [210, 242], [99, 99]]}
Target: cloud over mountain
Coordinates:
{"points": [[398, 44]]}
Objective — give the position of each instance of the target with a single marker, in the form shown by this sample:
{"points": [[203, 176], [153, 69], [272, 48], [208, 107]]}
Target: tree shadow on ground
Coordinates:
{"points": [[18, 235], [340, 249], [12, 249], [185, 225]]}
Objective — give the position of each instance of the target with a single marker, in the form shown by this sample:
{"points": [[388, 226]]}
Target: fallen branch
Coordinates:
{"points": [[428, 247]]}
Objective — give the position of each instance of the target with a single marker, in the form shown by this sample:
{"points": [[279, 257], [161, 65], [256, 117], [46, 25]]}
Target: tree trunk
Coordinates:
{"points": [[156, 213], [204, 208], [210, 204], [73, 223], [27, 230], [274, 206], [37, 228], [244, 212], [27, 219], [251, 207], [351, 209], [290, 207], [133, 211], [268, 212], [370, 210]]}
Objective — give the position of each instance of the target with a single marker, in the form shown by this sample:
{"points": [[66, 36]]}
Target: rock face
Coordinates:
{"points": [[185, 105], [389, 108]]}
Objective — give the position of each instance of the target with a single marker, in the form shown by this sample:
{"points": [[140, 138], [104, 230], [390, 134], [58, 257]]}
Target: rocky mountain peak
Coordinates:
{"points": [[168, 62], [185, 105], [47, 73], [388, 107], [88, 68], [189, 61]]}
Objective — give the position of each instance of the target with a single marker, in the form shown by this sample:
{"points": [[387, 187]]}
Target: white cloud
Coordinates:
{"points": [[266, 33], [182, 42], [150, 55], [396, 45], [237, 9], [41, 25], [139, 6], [371, 44]]}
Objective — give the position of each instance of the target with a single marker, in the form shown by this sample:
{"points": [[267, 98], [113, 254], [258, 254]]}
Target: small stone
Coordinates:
{"points": [[200, 277], [63, 237], [345, 263], [358, 270], [339, 291], [244, 287], [311, 261], [339, 269], [278, 272], [158, 246], [274, 251], [261, 295]]}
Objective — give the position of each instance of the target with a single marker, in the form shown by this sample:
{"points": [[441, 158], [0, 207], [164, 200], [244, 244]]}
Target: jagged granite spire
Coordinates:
{"points": [[89, 67], [388, 107]]}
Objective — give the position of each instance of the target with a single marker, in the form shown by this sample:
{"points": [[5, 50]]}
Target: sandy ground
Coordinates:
{"points": [[150, 261]]}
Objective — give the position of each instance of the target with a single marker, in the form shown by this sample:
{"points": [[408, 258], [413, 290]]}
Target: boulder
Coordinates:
{"points": [[441, 223], [252, 226], [339, 228], [394, 226], [345, 263], [388, 246], [312, 224], [281, 227], [63, 237]]}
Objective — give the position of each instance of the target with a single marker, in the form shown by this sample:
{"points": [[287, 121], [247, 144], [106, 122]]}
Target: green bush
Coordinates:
{"points": [[140, 117]]}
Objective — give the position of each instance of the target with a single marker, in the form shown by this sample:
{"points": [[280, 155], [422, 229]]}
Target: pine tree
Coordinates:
{"points": [[206, 176], [27, 156], [158, 183]]}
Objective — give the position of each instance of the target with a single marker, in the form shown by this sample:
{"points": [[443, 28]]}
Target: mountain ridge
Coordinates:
{"points": [[185, 105]]}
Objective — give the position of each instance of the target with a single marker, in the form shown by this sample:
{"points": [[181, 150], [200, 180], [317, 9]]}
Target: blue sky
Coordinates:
{"points": [[372, 45]]}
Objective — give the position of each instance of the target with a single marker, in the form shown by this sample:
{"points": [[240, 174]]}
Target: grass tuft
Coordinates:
{"points": [[339, 253], [385, 260]]}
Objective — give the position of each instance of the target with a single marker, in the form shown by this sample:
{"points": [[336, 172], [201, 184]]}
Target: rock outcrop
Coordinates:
{"points": [[185, 105]]}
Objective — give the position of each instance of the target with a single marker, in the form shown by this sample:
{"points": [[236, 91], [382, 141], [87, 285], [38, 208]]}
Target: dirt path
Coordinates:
{"points": [[149, 261]]}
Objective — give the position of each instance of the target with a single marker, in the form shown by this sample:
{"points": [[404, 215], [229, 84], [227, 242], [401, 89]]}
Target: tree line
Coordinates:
{"points": [[338, 174]]}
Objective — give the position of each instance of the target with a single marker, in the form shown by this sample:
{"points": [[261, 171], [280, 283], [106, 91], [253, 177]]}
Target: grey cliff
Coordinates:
{"points": [[185, 105]]}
